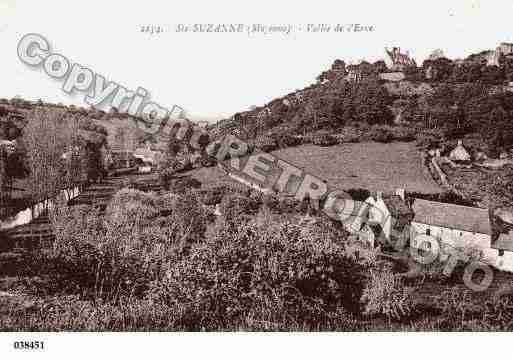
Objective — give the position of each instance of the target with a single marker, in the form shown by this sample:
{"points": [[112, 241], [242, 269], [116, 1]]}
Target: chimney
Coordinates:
{"points": [[460, 143], [400, 192], [379, 195]]}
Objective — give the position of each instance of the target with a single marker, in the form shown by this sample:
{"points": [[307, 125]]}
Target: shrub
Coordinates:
{"points": [[285, 140], [265, 143], [325, 140], [184, 184], [131, 207], [428, 138], [386, 295], [130, 248], [349, 135], [380, 134], [214, 195], [264, 273], [166, 176], [207, 161], [236, 206]]}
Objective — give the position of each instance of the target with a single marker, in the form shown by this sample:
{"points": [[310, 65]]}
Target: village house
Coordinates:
{"points": [[460, 227], [459, 153]]}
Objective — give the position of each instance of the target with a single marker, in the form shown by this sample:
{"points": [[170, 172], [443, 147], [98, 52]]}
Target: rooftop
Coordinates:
{"points": [[469, 219]]}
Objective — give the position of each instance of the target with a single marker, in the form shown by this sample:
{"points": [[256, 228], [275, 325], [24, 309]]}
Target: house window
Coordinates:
{"points": [[428, 232], [501, 252]]}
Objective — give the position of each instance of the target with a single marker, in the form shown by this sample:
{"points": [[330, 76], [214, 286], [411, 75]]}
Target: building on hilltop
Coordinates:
{"points": [[493, 57], [399, 61]]}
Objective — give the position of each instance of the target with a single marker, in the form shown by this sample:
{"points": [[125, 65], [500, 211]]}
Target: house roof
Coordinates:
{"points": [[469, 219], [459, 153]]}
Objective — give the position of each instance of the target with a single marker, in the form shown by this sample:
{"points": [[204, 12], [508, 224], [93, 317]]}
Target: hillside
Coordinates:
{"points": [[453, 98]]}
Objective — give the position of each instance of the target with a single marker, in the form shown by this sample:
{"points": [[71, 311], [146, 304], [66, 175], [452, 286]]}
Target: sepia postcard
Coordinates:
{"points": [[258, 178]]}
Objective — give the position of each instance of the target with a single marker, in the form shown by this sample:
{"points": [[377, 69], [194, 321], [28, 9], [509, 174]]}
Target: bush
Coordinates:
{"points": [[349, 135], [380, 134], [207, 161], [325, 140], [265, 143], [236, 206], [385, 295], [121, 254], [214, 195], [385, 134], [184, 184], [258, 274], [428, 138], [166, 176], [285, 140]]}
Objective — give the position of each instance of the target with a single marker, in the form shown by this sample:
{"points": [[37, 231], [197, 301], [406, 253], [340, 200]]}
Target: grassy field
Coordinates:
{"points": [[369, 165]]}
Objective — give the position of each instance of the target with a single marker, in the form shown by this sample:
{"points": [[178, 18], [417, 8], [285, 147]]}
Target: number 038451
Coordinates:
{"points": [[29, 345]]}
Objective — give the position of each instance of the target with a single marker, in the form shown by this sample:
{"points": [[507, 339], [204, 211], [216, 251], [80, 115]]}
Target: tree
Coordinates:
{"points": [[46, 137], [498, 120], [125, 140], [73, 159]]}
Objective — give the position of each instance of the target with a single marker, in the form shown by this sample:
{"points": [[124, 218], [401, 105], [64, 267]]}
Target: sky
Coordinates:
{"points": [[213, 75]]}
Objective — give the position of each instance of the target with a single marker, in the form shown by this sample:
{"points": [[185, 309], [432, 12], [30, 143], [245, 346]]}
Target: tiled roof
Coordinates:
{"points": [[469, 219]]}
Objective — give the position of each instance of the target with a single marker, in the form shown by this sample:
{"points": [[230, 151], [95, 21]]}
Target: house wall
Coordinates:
{"points": [[462, 239], [453, 237], [27, 215], [379, 213]]}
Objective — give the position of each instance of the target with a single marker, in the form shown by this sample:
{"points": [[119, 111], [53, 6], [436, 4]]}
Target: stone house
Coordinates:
{"points": [[463, 227]]}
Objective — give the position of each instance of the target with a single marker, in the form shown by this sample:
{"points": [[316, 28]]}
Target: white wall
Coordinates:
{"points": [[462, 239], [379, 213], [27, 215]]}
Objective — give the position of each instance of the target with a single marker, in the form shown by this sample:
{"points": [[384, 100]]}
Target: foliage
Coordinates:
{"points": [[325, 140], [234, 207], [269, 272], [265, 143], [386, 295], [166, 176], [46, 137]]}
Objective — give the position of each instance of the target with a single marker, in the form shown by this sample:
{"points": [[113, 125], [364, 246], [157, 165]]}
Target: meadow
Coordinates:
{"points": [[370, 165]]}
